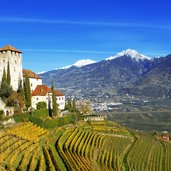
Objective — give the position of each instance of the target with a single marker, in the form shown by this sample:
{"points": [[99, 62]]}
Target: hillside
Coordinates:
{"points": [[127, 74], [87, 146]]}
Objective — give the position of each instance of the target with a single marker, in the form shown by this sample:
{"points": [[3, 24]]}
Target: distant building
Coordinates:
{"points": [[94, 117], [165, 135]]}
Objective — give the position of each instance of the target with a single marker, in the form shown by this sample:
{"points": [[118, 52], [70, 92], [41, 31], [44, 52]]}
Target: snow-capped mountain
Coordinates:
{"points": [[80, 63], [41, 72], [115, 77], [130, 53]]}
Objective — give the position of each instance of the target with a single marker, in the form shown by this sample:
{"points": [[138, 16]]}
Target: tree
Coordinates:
{"points": [[69, 106], [85, 107], [54, 103], [6, 89], [21, 89], [49, 106], [16, 100], [27, 91], [4, 76], [41, 105], [74, 106], [8, 74], [21, 92]]}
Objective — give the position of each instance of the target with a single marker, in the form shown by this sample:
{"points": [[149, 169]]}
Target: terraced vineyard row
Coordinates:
{"points": [[89, 147]]}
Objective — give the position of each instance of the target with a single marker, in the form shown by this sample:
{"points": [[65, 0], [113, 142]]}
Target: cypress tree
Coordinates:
{"points": [[21, 89], [8, 74], [54, 104], [4, 76], [74, 105], [69, 106], [5, 89], [27, 91]]}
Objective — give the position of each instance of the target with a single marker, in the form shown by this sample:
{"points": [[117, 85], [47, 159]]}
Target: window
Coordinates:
{"points": [[37, 98], [31, 84]]}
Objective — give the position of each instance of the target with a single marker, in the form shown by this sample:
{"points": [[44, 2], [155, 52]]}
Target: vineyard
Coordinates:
{"points": [[90, 146]]}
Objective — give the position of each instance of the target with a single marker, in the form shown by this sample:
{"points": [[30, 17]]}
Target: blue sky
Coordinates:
{"points": [[56, 33]]}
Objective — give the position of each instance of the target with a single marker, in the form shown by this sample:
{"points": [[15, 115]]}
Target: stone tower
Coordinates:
{"points": [[14, 57]]}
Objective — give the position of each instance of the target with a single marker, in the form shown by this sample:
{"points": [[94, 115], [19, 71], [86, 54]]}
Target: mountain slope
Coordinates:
{"points": [[129, 75], [157, 81]]}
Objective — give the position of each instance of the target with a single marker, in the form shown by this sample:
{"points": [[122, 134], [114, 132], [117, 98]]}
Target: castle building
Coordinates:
{"points": [[40, 92], [33, 78], [43, 93], [14, 57]]}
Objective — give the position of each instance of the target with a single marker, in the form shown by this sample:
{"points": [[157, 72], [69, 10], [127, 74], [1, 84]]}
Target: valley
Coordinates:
{"points": [[148, 116]]}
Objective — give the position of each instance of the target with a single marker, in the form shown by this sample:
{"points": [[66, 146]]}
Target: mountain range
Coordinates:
{"points": [[128, 75]]}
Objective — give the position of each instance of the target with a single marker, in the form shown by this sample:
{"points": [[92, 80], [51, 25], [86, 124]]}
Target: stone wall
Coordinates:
{"points": [[8, 111], [15, 62]]}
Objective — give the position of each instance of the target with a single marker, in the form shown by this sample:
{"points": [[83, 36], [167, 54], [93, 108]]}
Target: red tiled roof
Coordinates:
{"points": [[9, 47], [30, 73], [58, 93], [42, 90]]}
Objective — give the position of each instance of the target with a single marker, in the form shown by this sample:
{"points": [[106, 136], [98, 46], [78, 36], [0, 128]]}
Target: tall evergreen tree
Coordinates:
{"points": [[21, 90], [54, 103], [8, 74], [5, 89], [74, 105], [27, 91], [69, 106], [4, 76], [49, 106]]}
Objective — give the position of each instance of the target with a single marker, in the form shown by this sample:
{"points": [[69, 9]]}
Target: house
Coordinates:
{"points": [[33, 78], [165, 135], [43, 93]]}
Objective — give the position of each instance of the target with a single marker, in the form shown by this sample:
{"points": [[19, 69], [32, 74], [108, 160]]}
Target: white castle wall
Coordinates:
{"points": [[15, 61], [34, 82]]}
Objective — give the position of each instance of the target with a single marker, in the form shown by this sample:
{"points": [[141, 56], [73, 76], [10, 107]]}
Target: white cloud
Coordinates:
{"points": [[110, 24], [66, 51]]}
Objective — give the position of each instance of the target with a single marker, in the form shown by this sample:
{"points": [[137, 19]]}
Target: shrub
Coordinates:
{"points": [[41, 105]]}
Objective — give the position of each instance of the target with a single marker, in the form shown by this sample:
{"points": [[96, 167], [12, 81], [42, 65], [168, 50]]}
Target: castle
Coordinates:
{"points": [[40, 92], [14, 57]]}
